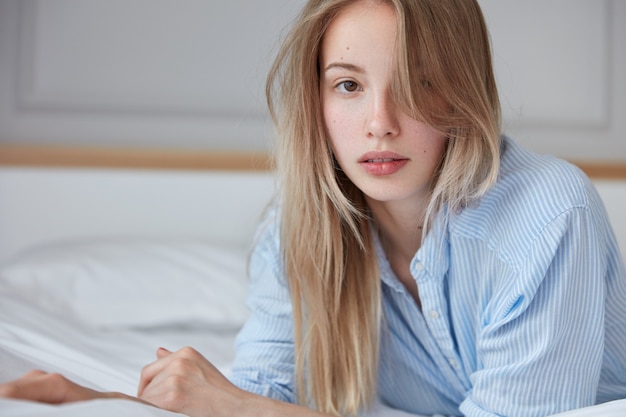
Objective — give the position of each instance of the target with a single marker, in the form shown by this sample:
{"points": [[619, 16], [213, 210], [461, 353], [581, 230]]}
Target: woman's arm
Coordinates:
{"points": [[52, 389], [541, 352]]}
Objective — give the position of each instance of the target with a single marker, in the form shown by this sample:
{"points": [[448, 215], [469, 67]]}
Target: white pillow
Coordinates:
{"points": [[134, 283]]}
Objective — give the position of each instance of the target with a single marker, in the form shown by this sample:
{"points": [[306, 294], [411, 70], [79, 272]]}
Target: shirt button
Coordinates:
{"points": [[454, 363], [433, 314], [419, 266]]}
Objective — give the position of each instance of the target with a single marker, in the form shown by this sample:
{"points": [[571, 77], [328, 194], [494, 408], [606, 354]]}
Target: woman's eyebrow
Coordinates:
{"points": [[345, 66]]}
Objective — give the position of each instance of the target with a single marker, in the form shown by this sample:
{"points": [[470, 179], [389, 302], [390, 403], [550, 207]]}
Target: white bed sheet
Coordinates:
{"points": [[111, 360]]}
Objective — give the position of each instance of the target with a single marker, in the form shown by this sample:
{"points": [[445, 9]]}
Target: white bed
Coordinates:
{"points": [[100, 267]]}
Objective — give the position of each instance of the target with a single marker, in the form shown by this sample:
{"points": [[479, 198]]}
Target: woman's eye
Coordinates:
{"points": [[348, 86]]}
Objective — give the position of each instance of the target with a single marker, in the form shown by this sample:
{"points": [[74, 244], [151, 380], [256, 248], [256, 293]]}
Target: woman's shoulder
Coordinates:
{"points": [[266, 242], [532, 190], [535, 185], [549, 181]]}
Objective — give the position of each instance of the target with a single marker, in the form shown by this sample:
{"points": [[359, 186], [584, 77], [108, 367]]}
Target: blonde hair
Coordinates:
{"points": [[442, 51]]}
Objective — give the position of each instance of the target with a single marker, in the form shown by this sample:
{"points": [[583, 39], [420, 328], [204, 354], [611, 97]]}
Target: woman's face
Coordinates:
{"points": [[388, 155]]}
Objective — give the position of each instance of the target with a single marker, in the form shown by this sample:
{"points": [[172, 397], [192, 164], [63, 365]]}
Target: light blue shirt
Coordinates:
{"points": [[523, 305]]}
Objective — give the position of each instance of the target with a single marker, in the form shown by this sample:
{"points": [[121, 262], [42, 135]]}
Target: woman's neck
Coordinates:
{"points": [[399, 226], [400, 232]]}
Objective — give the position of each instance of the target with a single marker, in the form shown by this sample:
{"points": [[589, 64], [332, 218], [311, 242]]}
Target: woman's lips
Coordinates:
{"points": [[382, 163]]}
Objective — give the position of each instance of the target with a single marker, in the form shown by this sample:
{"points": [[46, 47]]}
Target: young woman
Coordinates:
{"points": [[414, 254]]}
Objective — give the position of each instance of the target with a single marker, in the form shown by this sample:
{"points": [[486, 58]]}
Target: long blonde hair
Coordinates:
{"points": [[326, 242]]}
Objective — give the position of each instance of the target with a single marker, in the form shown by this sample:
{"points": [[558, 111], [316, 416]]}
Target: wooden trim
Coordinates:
{"points": [[135, 158], [603, 170]]}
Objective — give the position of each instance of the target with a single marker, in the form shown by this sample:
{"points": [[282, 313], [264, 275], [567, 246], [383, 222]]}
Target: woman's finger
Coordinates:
{"points": [[162, 352], [151, 370]]}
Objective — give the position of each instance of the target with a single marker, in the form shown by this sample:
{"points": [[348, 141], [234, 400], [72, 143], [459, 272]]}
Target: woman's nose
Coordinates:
{"points": [[383, 118]]}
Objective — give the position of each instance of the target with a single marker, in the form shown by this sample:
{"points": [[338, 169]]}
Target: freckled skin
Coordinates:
{"points": [[367, 119]]}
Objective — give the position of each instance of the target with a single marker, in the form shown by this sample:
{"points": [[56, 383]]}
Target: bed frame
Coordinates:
{"points": [[56, 194], [49, 194]]}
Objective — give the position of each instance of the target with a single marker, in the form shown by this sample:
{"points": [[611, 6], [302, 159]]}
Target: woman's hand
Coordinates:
{"points": [[184, 382], [187, 383], [50, 388]]}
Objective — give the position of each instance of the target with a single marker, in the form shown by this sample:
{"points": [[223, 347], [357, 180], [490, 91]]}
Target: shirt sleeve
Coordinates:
{"points": [[264, 360], [541, 353]]}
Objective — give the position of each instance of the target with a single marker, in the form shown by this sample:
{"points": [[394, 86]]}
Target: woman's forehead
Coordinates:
{"points": [[359, 28]]}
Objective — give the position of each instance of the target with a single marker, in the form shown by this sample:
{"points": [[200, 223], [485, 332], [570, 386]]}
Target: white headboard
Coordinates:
{"points": [[40, 205]]}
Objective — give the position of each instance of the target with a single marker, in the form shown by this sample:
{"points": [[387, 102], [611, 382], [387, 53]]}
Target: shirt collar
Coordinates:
{"points": [[434, 254], [431, 261]]}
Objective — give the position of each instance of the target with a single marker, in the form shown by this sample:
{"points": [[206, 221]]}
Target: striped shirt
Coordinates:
{"points": [[523, 305]]}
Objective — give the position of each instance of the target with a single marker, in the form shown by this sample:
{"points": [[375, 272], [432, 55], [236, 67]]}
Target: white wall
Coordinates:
{"points": [[155, 72], [190, 73], [561, 67]]}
